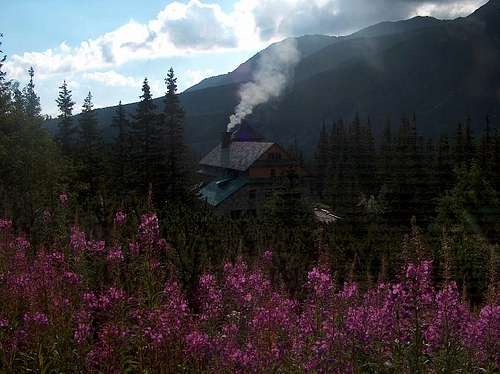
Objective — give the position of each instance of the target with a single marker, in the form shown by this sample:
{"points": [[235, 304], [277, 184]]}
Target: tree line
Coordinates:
{"points": [[405, 175], [147, 163]]}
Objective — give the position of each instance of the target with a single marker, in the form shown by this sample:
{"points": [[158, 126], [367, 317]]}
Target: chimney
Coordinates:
{"points": [[226, 139]]}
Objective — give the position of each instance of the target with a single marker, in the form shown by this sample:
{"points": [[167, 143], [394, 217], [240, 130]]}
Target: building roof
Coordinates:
{"points": [[217, 191], [238, 156]]}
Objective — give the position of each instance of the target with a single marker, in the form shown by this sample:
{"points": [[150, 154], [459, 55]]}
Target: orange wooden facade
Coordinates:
{"points": [[275, 162]]}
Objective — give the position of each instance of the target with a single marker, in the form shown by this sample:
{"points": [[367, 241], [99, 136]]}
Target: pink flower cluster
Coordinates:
{"points": [[5, 224], [120, 217], [140, 319], [63, 199]]}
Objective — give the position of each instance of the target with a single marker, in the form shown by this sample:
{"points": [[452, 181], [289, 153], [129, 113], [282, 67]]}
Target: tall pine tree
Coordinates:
{"points": [[32, 100], [5, 99], [65, 103], [322, 159], [175, 187], [122, 147], [487, 152], [89, 146], [147, 145], [469, 145]]}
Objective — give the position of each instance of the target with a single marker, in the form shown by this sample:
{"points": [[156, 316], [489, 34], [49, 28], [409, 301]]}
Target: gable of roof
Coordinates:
{"points": [[238, 156], [216, 192]]}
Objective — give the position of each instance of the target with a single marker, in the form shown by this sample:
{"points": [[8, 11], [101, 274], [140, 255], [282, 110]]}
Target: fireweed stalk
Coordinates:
{"points": [[111, 307]]}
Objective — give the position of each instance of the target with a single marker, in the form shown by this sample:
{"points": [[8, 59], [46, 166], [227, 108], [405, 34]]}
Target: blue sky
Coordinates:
{"points": [[109, 46]]}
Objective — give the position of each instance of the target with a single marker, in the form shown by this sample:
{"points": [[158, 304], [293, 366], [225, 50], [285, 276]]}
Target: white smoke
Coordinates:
{"points": [[273, 72]]}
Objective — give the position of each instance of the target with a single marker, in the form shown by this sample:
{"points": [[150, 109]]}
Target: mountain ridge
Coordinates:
{"points": [[441, 70]]}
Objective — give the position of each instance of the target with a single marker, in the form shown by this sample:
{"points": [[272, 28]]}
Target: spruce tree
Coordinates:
{"points": [[444, 165], [90, 144], [335, 192], [321, 159], [404, 181], [487, 152], [18, 106], [147, 145], [65, 103], [368, 175], [31, 99], [496, 159], [296, 153], [88, 132], [121, 151], [386, 154], [2, 60], [459, 150], [175, 187], [469, 146], [4, 91], [385, 166]]}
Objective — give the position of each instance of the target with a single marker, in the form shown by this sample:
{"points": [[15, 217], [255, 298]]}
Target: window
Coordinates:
{"points": [[275, 156]]}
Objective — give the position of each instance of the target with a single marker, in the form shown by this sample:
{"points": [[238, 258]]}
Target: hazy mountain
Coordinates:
{"points": [[441, 70], [306, 45], [310, 44]]}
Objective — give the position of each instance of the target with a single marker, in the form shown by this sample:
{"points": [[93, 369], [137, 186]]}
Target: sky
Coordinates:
{"points": [[108, 47]]}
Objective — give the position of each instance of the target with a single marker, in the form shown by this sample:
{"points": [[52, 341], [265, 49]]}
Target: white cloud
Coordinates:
{"points": [[180, 29], [113, 79], [72, 84], [299, 17], [455, 10]]}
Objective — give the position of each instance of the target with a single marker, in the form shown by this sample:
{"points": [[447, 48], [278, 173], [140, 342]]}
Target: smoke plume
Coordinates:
{"points": [[274, 69]]}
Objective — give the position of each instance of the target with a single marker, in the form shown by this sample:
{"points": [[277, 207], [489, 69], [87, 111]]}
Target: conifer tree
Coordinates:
{"points": [[90, 143], [147, 143], [175, 186], [18, 106], [4, 92], [368, 159], [67, 130], [386, 153], [444, 165], [335, 192], [487, 152], [496, 159], [469, 146], [321, 159], [89, 134], [31, 99], [472, 203], [459, 151], [296, 153], [406, 171], [121, 150], [2, 60]]}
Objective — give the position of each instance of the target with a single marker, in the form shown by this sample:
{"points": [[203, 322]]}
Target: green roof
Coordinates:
{"points": [[238, 156], [217, 191]]}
